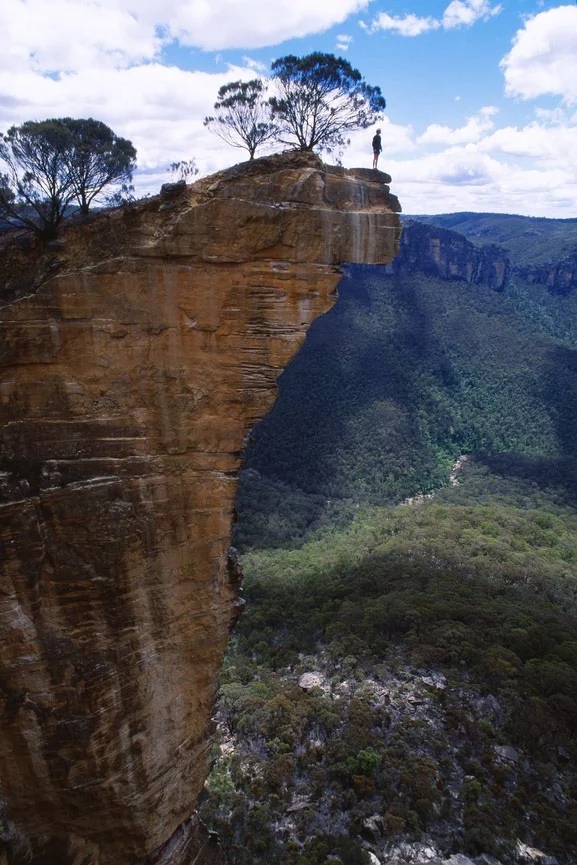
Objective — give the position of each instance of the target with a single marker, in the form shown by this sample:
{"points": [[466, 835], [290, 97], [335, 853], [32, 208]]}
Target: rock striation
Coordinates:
{"points": [[559, 278], [136, 353], [447, 254]]}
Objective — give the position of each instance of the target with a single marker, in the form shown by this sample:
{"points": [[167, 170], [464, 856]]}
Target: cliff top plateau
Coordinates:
{"points": [[288, 181]]}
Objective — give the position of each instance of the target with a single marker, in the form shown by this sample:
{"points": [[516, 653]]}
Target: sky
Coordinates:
{"points": [[481, 95]]}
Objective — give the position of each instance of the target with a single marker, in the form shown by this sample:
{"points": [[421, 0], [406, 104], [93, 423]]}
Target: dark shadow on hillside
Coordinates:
{"points": [[548, 474], [348, 420], [402, 376], [558, 390]]}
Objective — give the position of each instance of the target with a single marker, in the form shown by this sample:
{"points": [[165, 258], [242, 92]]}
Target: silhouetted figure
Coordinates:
{"points": [[377, 147]]}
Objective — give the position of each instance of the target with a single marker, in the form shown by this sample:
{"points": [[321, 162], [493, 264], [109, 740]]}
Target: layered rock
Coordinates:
{"points": [[559, 278], [447, 254], [136, 354]]}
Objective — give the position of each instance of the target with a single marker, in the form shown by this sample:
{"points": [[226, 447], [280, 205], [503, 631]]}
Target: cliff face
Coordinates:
{"points": [[542, 251], [560, 278], [135, 358], [448, 255]]}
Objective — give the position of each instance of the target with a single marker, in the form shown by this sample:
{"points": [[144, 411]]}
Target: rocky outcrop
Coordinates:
{"points": [[559, 278], [136, 354], [446, 254]]}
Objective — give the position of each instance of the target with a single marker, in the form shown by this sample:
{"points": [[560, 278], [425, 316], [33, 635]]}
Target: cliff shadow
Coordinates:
{"points": [[358, 415], [555, 477], [558, 390]]}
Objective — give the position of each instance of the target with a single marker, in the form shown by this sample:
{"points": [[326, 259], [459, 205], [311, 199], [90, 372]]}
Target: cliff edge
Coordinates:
{"points": [[446, 254], [136, 354]]}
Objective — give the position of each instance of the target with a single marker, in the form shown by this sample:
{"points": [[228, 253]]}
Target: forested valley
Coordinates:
{"points": [[403, 684]]}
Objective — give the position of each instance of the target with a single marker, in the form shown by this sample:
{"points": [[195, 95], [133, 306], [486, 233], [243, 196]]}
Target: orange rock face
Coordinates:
{"points": [[130, 379]]}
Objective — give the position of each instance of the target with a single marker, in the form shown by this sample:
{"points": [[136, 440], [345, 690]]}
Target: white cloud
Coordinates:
{"points": [[472, 131], [543, 59], [408, 25], [230, 23], [87, 35], [456, 166], [459, 13], [464, 13], [255, 65], [555, 116], [68, 35], [462, 178], [220, 24], [548, 145], [344, 41]]}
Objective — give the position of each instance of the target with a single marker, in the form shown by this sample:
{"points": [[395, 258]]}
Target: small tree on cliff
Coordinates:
{"points": [[320, 98], [96, 158], [48, 164], [185, 169], [243, 116], [36, 185]]}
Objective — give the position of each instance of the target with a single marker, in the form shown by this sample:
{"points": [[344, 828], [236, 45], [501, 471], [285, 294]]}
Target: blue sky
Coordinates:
{"points": [[481, 95]]}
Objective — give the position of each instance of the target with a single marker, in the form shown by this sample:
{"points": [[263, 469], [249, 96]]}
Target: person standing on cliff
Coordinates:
{"points": [[377, 147]]}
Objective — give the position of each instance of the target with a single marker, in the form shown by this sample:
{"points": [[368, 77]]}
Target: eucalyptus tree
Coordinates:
{"points": [[96, 158], [185, 169], [47, 165], [242, 115], [319, 99], [36, 185]]}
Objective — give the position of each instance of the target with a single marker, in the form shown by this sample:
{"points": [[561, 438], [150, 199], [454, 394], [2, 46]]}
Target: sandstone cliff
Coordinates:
{"points": [[136, 355], [447, 254], [558, 278]]}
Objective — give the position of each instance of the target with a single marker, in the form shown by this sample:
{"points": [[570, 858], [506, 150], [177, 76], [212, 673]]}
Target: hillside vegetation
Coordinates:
{"points": [[443, 637], [529, 240], [431, 597], [398, 380]]}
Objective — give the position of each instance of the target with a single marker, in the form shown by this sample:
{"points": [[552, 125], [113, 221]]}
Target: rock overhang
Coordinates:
{"points": [[145, 344]]}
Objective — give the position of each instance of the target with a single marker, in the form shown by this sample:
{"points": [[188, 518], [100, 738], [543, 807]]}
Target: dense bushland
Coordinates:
{"points": [[445, 635], [441, 631], [401, 377]]}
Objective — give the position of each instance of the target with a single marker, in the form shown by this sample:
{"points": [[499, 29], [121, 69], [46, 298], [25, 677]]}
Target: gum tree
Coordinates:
{"points": [[319, 99], [36, 185], [96, 158], [242, 115], [47, 165], [185, 169]]}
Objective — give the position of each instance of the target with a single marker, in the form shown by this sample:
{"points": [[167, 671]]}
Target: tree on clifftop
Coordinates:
{"points": [[36, 186], [46, 165], [320, 99], [243, 116], [96, 158]]}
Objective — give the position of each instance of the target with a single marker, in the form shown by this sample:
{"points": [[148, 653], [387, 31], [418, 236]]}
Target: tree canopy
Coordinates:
{"points": [[184, 169], [243, 116], [36, 185], [49, 164], [320, 98], [96, 157]]}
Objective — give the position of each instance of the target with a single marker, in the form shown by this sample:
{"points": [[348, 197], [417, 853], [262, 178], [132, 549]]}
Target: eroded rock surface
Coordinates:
{"points": [[447, 254], [135, 357]]}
